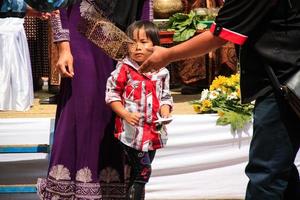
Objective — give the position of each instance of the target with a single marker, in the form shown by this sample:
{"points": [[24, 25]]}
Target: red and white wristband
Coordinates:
{"points": [[227, 34]]}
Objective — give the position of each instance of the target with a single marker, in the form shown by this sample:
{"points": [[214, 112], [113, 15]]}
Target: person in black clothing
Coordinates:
{"points": [[268, 32]]}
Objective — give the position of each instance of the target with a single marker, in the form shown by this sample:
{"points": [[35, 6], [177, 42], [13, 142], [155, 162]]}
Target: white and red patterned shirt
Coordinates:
{"points": [[140, 93]]}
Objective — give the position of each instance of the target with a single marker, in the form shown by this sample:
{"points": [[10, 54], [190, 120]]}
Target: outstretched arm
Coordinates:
{"points": [[197, 46], [34, 13], [236, 21]]}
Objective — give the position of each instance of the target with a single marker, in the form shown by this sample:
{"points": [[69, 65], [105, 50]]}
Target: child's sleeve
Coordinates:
{"points": [[116, 84], [166, 97]]}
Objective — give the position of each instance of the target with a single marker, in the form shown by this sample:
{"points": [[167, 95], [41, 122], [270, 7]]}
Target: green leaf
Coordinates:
{"points": [[184, 35], [236, 120], [201, 26], [180, 16], [185, 25]]}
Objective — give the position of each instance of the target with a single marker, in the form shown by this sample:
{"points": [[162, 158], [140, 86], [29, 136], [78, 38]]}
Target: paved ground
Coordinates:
{"points": [[181, 106]]}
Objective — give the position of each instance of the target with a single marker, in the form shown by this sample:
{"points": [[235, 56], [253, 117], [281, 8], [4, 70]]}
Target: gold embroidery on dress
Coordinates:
{"points": [[102, 32], [59, 172], [84, 175], [109, 175]]}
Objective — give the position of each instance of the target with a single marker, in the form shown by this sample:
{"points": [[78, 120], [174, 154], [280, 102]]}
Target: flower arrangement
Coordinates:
{"points": [[223, 98]]}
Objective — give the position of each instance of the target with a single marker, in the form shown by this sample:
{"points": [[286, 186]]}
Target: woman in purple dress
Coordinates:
{"points": [[86, 162]]}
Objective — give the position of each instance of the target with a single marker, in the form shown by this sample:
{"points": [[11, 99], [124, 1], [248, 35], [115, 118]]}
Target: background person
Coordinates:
{"points": [[16, 88]]}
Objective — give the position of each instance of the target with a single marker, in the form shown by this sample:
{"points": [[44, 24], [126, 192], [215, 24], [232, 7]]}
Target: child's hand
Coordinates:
{"points": [[132, 118], [165, 112]]}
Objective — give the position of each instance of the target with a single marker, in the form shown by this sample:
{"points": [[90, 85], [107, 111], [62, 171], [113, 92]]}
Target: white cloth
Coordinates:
{"points": [[16, 87], [201, 160]]}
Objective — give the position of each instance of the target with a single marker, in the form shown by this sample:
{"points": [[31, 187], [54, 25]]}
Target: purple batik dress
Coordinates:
{"points": [[86, 161]]}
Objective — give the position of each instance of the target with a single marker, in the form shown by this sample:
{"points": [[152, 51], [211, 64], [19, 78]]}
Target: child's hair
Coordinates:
{"points": [[151, 30]]}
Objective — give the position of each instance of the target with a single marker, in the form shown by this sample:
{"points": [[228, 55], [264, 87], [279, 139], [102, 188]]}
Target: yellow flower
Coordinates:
{"points": [[206, 104], [223, 95], [220, 113], [196, 108], [217, 83], [235, 78], [238, 91]]}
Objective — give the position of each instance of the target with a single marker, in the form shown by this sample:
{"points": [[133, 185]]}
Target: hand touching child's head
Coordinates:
{"points": [[145, 35]]}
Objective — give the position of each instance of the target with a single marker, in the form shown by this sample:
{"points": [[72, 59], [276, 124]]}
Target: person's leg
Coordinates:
{"points": [[141, 171], [272, 152], [293, 189]]}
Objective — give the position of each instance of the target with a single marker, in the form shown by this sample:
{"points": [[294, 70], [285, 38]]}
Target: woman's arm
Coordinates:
{"points": [[61, 37], [65, 61], [197, 46], [42, 15]]}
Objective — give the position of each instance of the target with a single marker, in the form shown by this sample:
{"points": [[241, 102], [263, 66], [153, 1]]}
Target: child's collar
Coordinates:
{"points": [[131, 63], [136, 66]]}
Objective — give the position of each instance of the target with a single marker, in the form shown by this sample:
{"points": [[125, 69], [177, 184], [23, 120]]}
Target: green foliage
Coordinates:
{"points": [[224, 98], [236, 120], [186, 25]]}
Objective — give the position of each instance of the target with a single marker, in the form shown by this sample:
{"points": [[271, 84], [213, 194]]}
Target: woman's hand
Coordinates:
{"points": [[159, 59], [65, 61], [132, 118], [41, 15]]}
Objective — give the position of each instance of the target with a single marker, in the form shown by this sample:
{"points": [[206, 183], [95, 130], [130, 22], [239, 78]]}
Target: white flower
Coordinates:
{"points": [[232, 96], [213, 94], [204, 94]]}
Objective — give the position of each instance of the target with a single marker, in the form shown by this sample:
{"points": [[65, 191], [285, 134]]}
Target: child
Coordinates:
{"points": [[16, 89], [139, 100]]}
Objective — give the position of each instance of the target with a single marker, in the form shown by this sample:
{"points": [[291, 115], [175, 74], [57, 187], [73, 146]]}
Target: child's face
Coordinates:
{"points": [[138, 51]]}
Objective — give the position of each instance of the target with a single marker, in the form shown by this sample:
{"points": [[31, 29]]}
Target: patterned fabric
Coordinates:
{"points": [[202, 70], [60, 186], [38, 42], [141, 164], [59, 33], [143, 94]]}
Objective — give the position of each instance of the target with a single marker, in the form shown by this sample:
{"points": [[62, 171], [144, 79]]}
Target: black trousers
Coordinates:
{"points": [[275, 143], [140, 163]]}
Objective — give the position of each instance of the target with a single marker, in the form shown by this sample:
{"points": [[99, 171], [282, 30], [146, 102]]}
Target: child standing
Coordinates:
{"points": [[139, 100]]}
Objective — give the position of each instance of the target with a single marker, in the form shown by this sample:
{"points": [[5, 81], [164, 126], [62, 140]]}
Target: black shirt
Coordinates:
{"points": [[269, 32]]}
